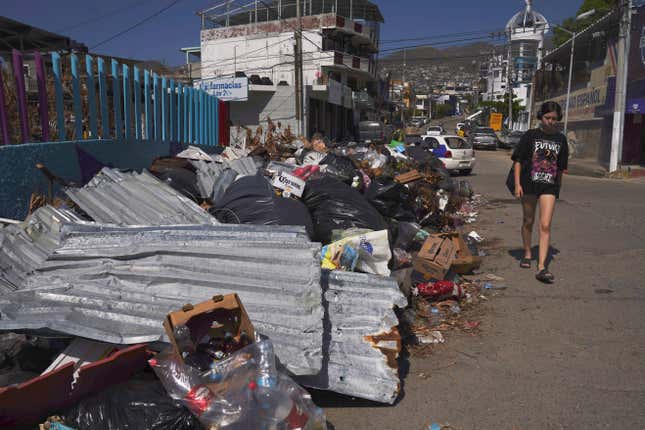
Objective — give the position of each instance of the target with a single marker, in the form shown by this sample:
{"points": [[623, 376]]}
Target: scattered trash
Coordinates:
{"points": [[440, 290], [368, 252], [433, 337], [225, 375], [474, 235]]}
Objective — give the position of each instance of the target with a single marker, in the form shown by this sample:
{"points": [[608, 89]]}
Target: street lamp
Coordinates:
{"points": [[573, 41]]}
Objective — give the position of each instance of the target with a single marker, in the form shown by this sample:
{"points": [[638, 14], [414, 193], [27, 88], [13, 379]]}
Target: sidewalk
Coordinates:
{"points": [[586, 167]]}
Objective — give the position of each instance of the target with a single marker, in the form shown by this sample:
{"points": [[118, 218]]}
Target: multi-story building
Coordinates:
{"points": [[494, 71], [254, 42]]}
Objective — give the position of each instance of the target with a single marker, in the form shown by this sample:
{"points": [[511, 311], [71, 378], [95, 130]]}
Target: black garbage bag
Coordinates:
{"points": [[182, 180], [334, 205], [252, 200], [136, 404], [390, 198], [340, 167]]}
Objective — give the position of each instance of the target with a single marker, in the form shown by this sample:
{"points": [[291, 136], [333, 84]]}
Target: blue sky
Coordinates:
{"points": [[161, 38]]}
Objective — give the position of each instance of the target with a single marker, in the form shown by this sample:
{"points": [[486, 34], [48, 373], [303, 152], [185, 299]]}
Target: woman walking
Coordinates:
{"points": [[539, 160]]}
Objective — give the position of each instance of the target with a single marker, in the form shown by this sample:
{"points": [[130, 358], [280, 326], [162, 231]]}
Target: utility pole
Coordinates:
{"points": [[566, 109], [298, 70], [621, 85], [509, 86]]}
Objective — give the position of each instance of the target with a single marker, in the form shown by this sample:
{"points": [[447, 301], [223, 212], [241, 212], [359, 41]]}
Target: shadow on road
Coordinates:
{"points": [[518, 253]]}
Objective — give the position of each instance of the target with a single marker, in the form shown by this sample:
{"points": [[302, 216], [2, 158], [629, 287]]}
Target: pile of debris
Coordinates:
{"points": [[324, 245]]}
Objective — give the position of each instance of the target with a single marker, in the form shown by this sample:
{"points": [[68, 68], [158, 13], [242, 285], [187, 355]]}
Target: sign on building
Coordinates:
{"points": [[227, 89], [496, 121]]}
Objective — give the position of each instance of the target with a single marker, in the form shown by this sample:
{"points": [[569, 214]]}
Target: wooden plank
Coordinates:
{"points": [[43, 108], [116, 98], [91, 96], [105, 115], [191, 115], [127, 100], [156, 106], [187, 107], [58, 91], [172, 115], [137, 102], [21, 96], [164, 109], [180, 97], [147, 107], [76, 96]]}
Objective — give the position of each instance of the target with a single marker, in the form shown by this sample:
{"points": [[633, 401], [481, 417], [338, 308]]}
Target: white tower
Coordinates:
{"points": [[526, 31]]}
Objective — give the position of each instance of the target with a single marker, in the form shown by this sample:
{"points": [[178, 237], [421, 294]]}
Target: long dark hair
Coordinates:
{"points": [[550, 107]]}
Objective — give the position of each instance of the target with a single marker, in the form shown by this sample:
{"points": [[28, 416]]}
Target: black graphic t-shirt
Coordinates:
{"points": [[543, 158]]}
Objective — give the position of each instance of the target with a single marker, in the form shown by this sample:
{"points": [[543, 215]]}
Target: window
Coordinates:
{"points": [[457, 143], [431, 143], [25, 70]]}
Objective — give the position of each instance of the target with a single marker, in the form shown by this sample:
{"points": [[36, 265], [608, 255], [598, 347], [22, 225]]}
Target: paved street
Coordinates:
{"points": [[564, 356]]}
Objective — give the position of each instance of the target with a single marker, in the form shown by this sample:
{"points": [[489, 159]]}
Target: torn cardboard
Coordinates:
{"points": [[434, 259], [213, 318], [465, 262]]}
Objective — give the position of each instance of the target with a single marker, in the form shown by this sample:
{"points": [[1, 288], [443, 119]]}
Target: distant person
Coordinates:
{"points": [[540, 158]]}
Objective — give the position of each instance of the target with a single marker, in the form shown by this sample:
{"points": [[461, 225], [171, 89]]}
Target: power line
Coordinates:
{"points": [[101, 17], [430, 45], [440, 36], [132, 27]]}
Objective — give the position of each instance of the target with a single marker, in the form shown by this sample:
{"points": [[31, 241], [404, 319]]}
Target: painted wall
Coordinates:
{"points": [[19, 176], [264, 55]]}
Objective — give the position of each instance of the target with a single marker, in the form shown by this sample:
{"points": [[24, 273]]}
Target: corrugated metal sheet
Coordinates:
{"points": [[244, 166], [207, 175], [136, 199], [116, 284], [361, 343], [24, 247]]}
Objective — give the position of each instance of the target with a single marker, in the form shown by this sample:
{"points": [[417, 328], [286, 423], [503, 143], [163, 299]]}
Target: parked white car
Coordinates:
{"points": [[456, 152], [434, 130]]}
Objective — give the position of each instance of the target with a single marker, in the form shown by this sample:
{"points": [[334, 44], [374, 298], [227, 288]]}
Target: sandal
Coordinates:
{"points": [[525, 263], [545, 276]]}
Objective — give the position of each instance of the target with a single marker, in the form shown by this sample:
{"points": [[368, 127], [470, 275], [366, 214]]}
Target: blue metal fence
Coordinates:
{"points": [[155, 108]]}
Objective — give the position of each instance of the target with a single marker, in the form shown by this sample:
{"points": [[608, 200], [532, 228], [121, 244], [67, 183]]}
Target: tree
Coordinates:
{"points": [[501, 106], [601, 7], [442, 110]]}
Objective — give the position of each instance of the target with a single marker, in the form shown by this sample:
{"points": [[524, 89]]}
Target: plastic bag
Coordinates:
{"points": [[334, 205], [391, 199], [371, 251], [340, 167], [136, 404], [181, 180], [410, 237], [252, 200], [243, 391]]}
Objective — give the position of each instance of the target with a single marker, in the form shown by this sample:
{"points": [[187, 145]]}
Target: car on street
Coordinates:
{"points": [[370, 131], [455, 152], [483, 138], [510, 139], [434, 130]]}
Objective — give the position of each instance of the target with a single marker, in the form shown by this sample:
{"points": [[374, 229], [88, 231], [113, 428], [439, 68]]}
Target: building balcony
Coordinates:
{"points": [[346, 63]]}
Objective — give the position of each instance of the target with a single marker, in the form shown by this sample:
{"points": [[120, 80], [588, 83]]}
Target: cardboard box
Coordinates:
{"points": [[464, 262], [212, 318], [434, 259], [289, 183]]}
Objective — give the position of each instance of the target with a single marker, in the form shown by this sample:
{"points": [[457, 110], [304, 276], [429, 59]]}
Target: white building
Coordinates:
{"points": [[526, 30], [495, 71], [245, 38]]}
